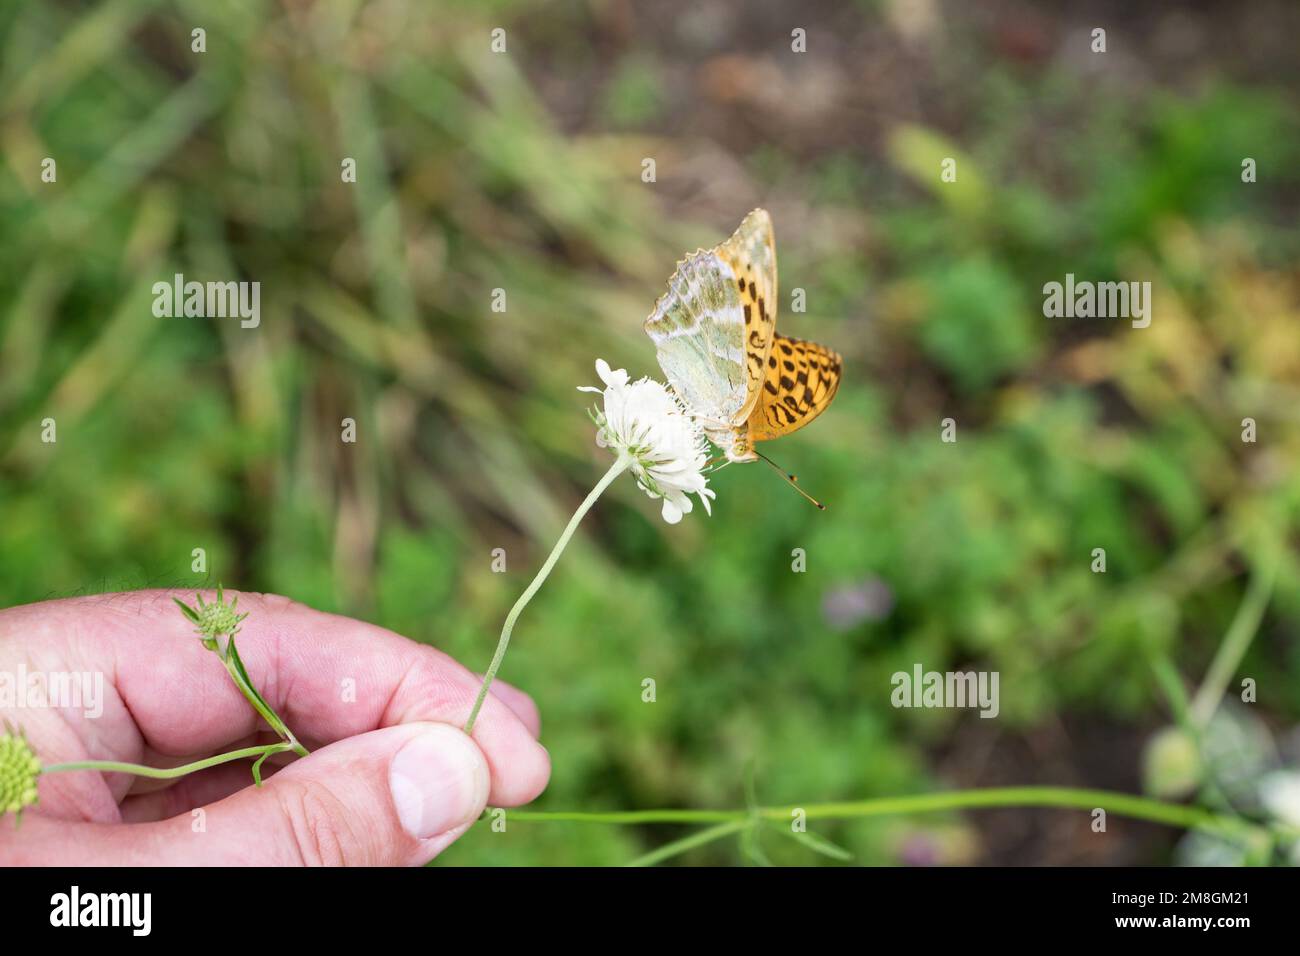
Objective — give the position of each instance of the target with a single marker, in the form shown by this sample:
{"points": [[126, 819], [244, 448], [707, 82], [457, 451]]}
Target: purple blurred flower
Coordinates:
{"points": [[919, 849], [848, 605]]}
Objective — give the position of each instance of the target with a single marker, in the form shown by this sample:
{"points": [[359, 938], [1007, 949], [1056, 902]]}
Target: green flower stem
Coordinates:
{"points": [[1235, 643], [216, 620], [703, 837], [167, 773], [235, 667], [1121, 804], [619, 466]]}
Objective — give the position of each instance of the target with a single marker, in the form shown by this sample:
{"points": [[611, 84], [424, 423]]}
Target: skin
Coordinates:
{"points": [[168, 701]]}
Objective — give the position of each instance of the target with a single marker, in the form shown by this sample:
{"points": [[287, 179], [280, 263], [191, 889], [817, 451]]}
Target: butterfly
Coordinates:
{"points": [[715, 334]]}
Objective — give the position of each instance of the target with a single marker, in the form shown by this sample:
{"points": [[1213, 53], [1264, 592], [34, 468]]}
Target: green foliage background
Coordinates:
{"points": [[522, 171]]}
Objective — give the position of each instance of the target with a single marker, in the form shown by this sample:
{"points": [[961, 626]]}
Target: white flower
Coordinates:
{"points": [[1280, 794], [666, 446]]}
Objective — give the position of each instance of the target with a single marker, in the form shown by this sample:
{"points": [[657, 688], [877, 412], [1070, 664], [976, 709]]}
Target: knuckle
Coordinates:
{"points": [[275, 603]]}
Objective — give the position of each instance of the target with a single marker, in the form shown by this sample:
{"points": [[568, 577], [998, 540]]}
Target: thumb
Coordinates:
{"points": [[392, 797]]}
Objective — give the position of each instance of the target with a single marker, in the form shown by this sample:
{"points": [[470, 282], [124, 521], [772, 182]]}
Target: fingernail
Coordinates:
{"points": [[439, 781]]}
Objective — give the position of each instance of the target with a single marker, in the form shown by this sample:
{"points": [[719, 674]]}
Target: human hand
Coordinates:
{"points": [[394, 780]]}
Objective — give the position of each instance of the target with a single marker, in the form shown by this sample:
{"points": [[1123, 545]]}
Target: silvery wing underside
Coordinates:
{"points": [[698, 328]]}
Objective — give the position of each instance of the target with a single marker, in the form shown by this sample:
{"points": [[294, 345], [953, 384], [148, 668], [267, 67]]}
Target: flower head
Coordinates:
{"points": [[213, 620], [19, 768], [665, 445]]}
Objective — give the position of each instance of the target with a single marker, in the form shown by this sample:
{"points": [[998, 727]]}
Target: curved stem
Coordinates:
{"points": [[166, 773], [619, 466], [691, 842], [239, 674], [1122, 804], [1235, 644]]}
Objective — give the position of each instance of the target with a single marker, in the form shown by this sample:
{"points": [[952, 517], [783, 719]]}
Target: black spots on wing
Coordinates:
{"points": [[756, 340], [801, 376], [748, 315], [742, 283]]}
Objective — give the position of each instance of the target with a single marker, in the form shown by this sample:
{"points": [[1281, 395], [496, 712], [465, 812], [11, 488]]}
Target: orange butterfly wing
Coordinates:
{"points": [[802, 378], [751, 254]]}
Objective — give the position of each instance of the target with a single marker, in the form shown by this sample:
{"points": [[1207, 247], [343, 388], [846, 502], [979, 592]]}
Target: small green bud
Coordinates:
{"points": [[1171, 764], [213, 620], [19, 768], [217, 619]]}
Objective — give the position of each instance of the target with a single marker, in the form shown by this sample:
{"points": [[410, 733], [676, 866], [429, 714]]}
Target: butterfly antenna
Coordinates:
{"points": [[793, 479]]}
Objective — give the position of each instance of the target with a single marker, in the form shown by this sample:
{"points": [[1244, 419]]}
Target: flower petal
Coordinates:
{"points": [[672, 514], [613, 378], [648, 422]]}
